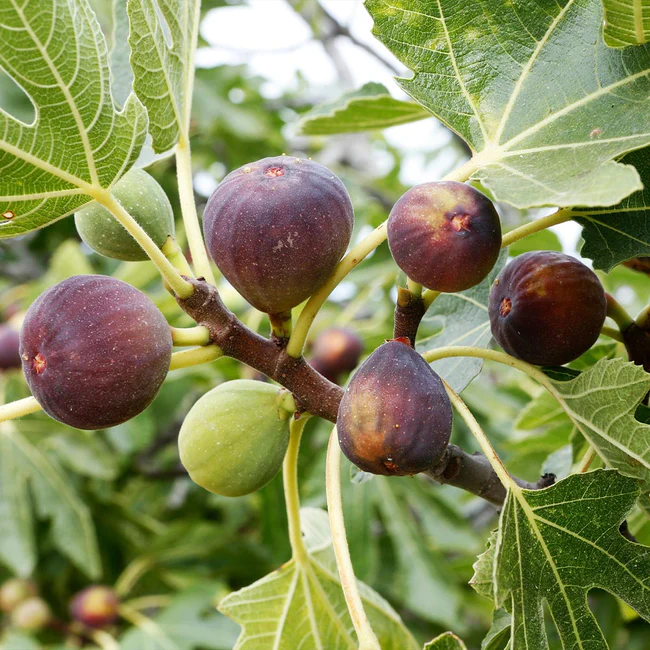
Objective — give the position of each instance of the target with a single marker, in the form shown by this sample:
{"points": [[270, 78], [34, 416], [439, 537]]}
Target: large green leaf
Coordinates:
{"points": [[613, 235], [557, 544], [79, 141], [368, 109], [301, 605], [627, 22], [532, 88], [464, 320], [164, 71]]}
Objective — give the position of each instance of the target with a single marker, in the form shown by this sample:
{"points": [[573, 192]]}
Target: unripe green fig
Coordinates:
{"points": [[233, 440], [14, 591], [445, 236], [95, 606], [32, 614], [395, 416], [143, 198], [276, 228], [546, 308]]}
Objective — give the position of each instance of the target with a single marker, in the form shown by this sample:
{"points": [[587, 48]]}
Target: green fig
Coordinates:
{"points": [[234, 439], [143, 198]]}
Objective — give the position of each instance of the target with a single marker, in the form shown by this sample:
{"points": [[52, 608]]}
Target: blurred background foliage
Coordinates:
{"points": [[115, 506]]}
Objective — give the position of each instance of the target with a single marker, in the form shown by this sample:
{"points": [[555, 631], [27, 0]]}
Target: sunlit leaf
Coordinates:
{"points": [[446, 641], [627, 22]]}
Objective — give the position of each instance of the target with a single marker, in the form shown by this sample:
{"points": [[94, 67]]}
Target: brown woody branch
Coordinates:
{"points": [[409, 311]]}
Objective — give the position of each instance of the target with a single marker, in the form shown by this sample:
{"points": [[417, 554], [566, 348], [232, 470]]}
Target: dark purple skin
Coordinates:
{"points": [[335, 352], [95, 607], [546, 308], [445, 236], [95, 351], [276, 228], [395, 416], [9, 348]]}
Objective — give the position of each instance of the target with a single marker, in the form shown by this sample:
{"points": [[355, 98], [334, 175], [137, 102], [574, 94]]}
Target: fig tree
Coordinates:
{"points": [[95, 351], [395, 416], [546, 308], [234, 439], [276, 228], [14, 591], [96, 606], [9, 348], [336, 351], [143, 198], [445, 236], [32, 614]]}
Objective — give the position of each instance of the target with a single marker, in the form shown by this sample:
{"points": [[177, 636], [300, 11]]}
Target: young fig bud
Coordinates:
{"points": [[32, 614], [233, 440], [395, 416], [95, 606], [15, 591]]}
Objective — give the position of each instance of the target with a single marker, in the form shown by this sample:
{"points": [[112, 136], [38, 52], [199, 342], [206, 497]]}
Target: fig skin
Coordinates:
{"points": [[546, 308], [276, 228], [143, 198], [335, 352], [15, 591], [234, 439], [395, 417], [9, 348], [95, 351], [32, 614], [445, 236], [95, 607]]}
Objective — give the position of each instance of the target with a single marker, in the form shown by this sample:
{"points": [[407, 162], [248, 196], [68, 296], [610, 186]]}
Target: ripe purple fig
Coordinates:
{"points": [[9, 348], [95, 606], [445, 236], [546, 308], [395, 416], [335, 352], [95, 351], [276, 228]]}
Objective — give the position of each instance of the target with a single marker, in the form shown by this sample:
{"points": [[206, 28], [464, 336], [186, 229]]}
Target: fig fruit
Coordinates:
{"points": [[96, 606], [32, 614], [233, 440], [143, 198], [9, 348], [335, 352], [546, 308], [95, 351], [395, 416], [276, 228], [445, 236], [14, 591]]}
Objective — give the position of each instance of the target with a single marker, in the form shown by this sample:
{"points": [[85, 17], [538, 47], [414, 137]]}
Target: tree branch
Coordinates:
{"points": [[409, 311]]}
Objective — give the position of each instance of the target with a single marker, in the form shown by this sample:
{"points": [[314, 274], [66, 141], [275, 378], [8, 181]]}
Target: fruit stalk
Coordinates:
{"points": [[291, 495], [18, 408], [536, 226], [409, 310]]}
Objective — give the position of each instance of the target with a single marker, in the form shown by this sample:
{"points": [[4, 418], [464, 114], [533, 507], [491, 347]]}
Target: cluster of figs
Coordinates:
{"points": [[95, 350]]}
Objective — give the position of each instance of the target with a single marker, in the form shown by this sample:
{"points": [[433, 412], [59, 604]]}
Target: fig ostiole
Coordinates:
{"points": [[95, 351], [276, 228], [546, 308], [143, 198], [234, 439], [395, 417]]}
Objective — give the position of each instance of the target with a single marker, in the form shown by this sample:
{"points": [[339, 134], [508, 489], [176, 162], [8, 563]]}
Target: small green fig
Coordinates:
{"points": [[233, 440], [32, 614], [143, 198], [95, 606], [395, 416], [14, 591]]}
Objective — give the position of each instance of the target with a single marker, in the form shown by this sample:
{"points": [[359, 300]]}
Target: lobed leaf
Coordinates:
{"points": [[627, 22]]}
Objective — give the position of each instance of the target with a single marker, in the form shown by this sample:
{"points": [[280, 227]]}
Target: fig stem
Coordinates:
{"points": [[179, 286], [195, 356], [184, 336], [536, 226], [365, 634], [291, 494], [428, 297], [173, 252], [643, 319], [587, 459], [200, 257], [612, 333], [281, 325], [19, 408], [414, 288], [307, 316], [618, 313]]}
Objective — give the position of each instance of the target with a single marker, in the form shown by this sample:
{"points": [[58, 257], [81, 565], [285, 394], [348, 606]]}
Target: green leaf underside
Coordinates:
{"points": [[601, 403], [533, 89], [446, 641], [465, 321], [302, 605], [368, 109], [627, 22], [163, 70], [554, 545], [57, 53], [616, 234]]}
